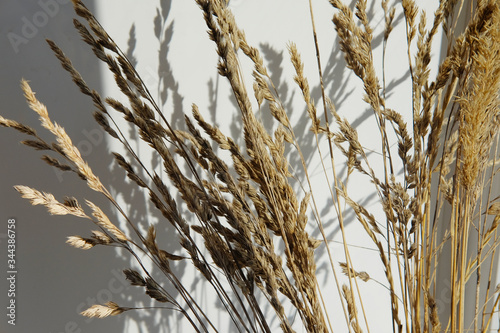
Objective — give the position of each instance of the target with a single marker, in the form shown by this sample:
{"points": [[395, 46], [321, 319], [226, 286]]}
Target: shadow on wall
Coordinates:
{"points": [[336, 79], [54, 282], [141, 211]]}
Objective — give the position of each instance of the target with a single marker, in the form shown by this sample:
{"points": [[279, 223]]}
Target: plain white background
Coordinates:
{"points": [[55, 282]]}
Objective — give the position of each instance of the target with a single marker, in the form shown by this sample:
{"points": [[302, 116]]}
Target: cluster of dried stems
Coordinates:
{"points": [[247, 209]]}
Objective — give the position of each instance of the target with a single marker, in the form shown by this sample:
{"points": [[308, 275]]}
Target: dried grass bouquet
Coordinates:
{"points": [[251, 224]]}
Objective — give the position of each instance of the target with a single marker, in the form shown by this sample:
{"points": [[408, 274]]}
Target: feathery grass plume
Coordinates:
{"points": [[351, 309], [103, 221], [53, 206], [134, 277], [67, 148], [362, 275], [18, 126], [103, 311], [81, 243], [303, 85], [101, 238]]}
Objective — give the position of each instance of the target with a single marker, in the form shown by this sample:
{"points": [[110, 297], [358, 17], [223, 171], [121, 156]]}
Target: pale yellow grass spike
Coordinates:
{"points": [[63, 139], [49, 201], [79, 242], [103, 311], [103, 221]]}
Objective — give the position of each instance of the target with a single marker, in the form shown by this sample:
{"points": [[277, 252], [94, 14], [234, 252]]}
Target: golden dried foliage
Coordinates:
{"points": [[252, 219]]}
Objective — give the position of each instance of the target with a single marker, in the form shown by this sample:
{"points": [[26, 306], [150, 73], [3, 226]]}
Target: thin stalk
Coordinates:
{"points": [[496, 231], [327, 122]]}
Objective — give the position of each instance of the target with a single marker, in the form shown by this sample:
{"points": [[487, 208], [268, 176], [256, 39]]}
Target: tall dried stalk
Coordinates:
{"points": [[245, 210]]}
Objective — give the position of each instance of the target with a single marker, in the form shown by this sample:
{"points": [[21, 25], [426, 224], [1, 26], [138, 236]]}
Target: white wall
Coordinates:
{"points": [[190, 63]]}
